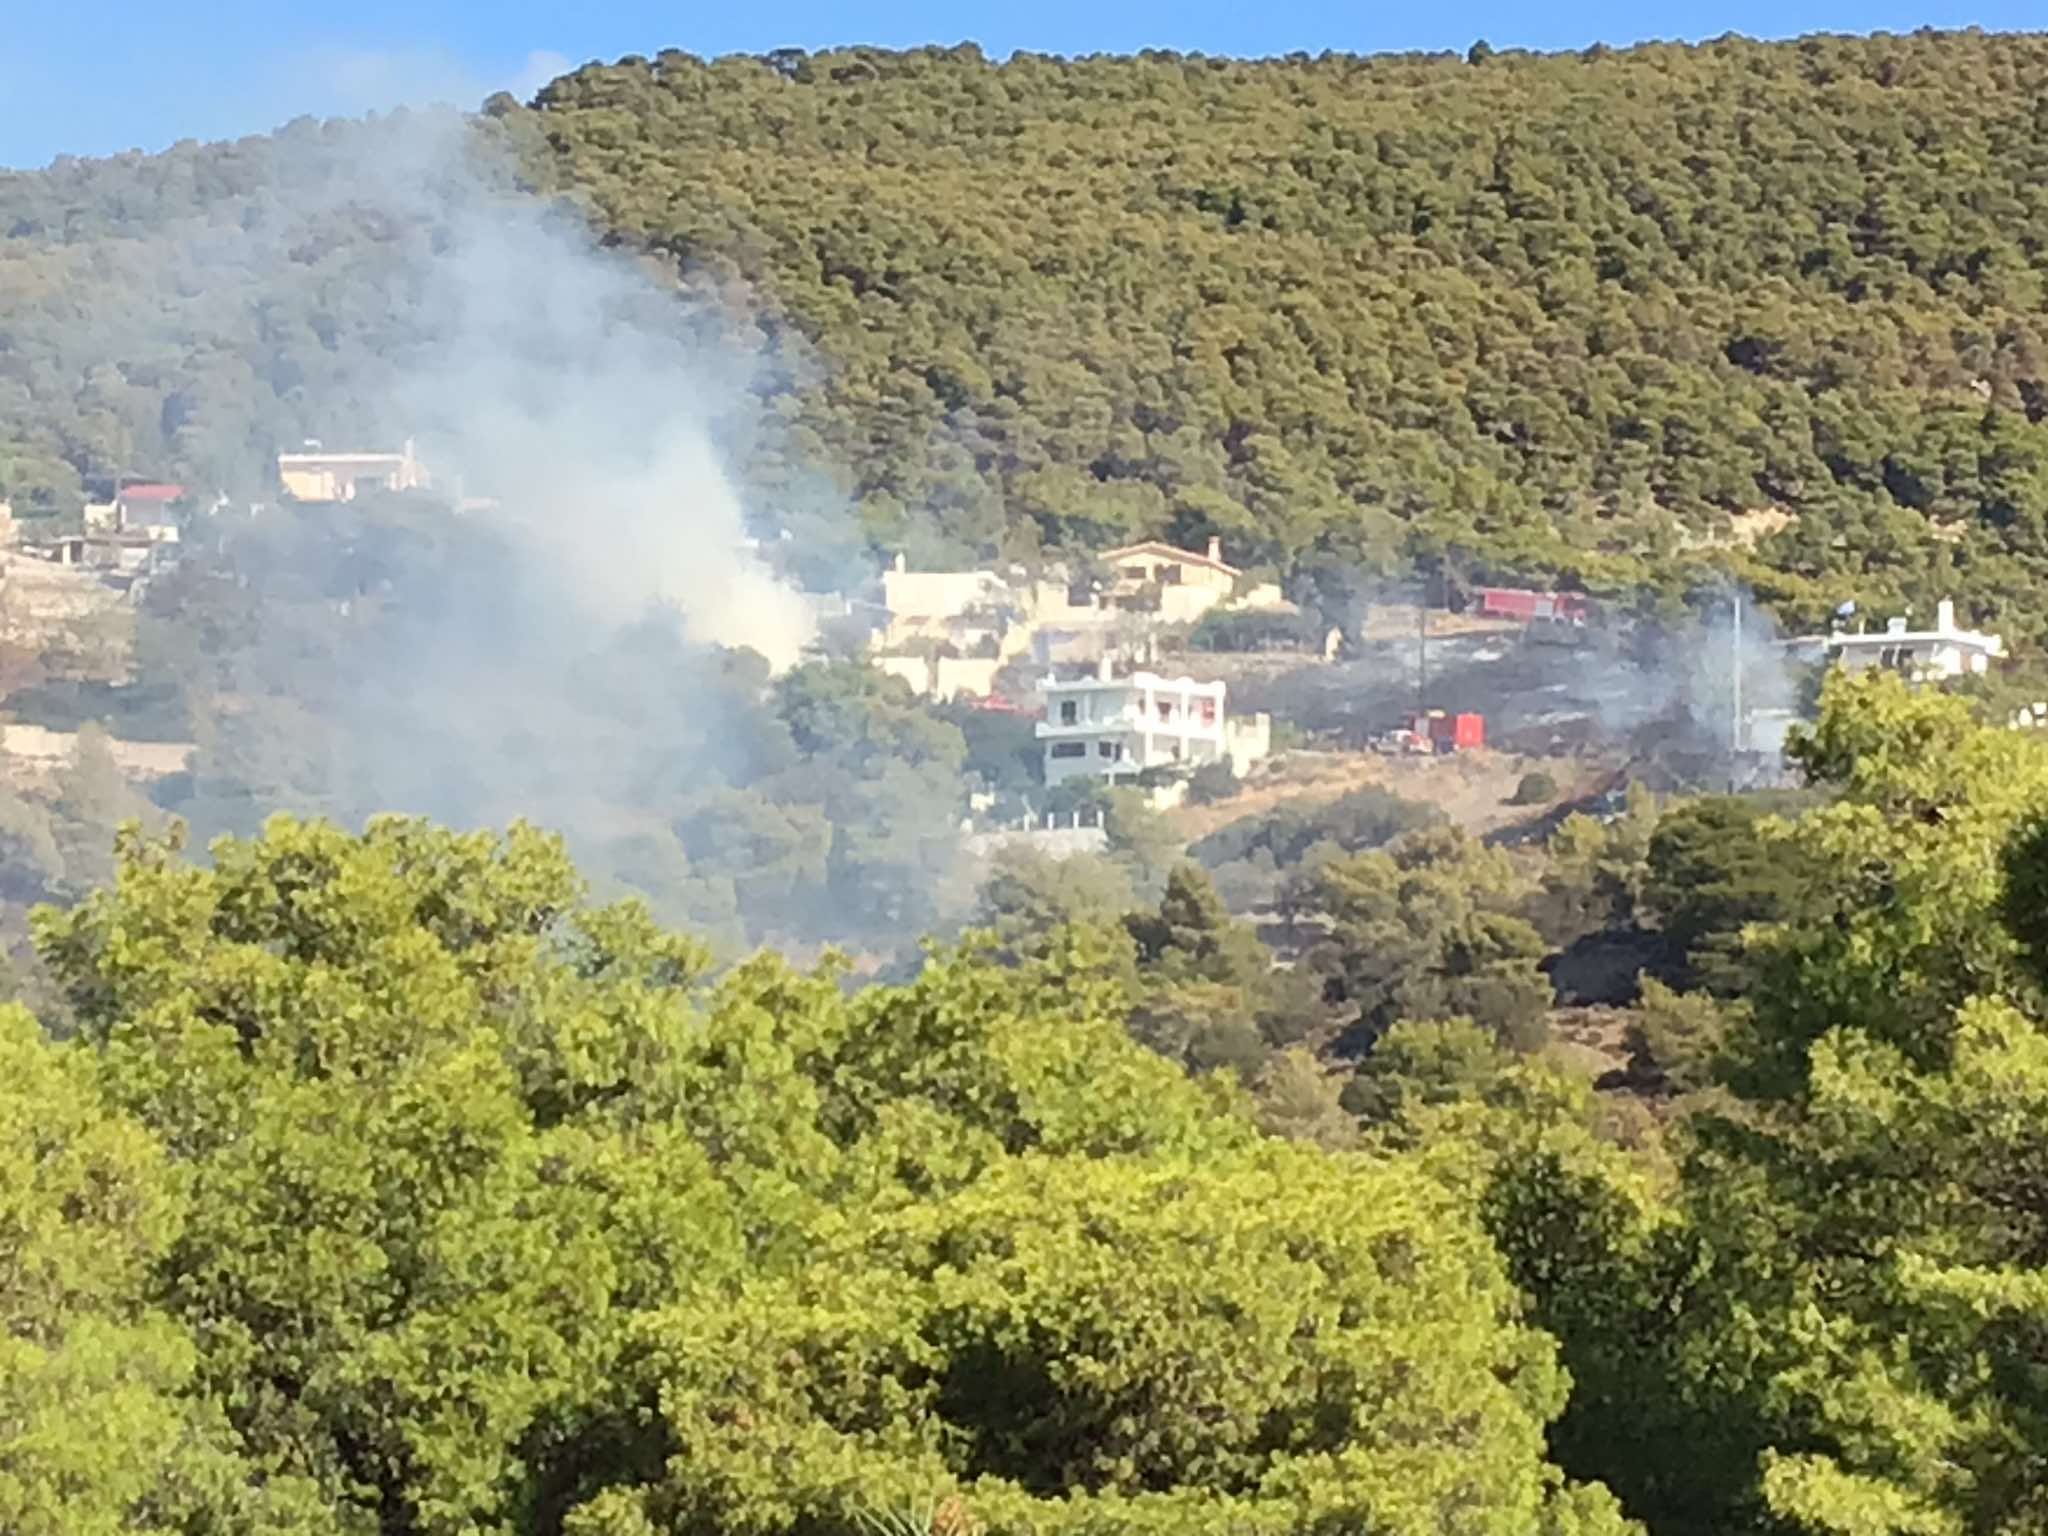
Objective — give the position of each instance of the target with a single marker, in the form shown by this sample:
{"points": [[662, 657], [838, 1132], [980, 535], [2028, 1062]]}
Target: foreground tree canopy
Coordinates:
{"points": [[385, 1184], [388, 1187], [1549, 314]]}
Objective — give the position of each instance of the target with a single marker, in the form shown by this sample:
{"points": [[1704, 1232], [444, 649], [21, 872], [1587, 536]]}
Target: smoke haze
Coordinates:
{"points": [[563, 648], [564, 394]]}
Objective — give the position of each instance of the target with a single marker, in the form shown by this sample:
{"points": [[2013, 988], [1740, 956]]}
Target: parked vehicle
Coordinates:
{"points": [[1403, 742], [1432, 733]]}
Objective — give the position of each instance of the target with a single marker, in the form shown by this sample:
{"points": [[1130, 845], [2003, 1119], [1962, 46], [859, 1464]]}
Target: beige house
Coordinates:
{"points": [[315, 475], [1178, 584], [945, 677], [958, 607], [949, 632]]}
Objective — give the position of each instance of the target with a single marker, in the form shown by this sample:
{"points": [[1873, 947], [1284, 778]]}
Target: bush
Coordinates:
{"points": [[1256, 629], [1537, 788], [1363, 819], [1213, 782], [1672, 1039]]}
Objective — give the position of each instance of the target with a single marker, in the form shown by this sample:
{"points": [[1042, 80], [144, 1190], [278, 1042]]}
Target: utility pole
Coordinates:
{"points": [[1422, 648], [1735, 676]]}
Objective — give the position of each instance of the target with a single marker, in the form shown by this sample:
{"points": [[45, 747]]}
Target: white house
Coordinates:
{"points": [[1118, 727], [1928, 655]]}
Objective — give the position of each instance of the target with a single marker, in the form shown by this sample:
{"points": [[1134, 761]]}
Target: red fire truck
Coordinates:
{"points": [[1526, 606]]}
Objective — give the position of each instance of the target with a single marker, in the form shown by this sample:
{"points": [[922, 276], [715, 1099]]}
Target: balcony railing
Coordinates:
{"points": [[1134, 720]]}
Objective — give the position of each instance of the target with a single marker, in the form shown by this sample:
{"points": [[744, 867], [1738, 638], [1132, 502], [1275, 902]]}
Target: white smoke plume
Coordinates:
{"points": [[552, 649], [558, 393]]}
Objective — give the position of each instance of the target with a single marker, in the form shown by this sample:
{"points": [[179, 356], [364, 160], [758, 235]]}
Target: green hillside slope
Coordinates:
{"points": [[1556, 315]]}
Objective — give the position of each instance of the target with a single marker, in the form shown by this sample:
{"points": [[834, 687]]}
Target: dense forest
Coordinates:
{"points": [[1568, 316], [383, 1183]]}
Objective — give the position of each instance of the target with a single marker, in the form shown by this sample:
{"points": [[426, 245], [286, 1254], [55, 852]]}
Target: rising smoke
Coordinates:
{"points": [[561, 647], [1696, 696], [566, 394], [1640, 688]]}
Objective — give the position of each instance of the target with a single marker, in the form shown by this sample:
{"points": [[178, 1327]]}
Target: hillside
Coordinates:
{"points": [[1547, 314]]}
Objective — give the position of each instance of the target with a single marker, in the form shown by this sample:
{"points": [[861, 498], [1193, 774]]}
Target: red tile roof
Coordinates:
{"points": [[152, 492]]}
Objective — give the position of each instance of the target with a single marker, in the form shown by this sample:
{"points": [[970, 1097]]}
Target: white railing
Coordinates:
{"points": [[1136, 719]]}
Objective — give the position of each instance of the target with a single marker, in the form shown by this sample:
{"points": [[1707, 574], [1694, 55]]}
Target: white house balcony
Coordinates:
{"points": [[1131, 725]]}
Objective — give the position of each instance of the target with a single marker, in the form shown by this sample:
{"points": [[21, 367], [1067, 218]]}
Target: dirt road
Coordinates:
{"points": [[1471, 788]]}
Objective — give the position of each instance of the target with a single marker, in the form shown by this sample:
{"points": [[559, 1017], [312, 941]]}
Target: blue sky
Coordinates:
{"points": [[97, 78]]}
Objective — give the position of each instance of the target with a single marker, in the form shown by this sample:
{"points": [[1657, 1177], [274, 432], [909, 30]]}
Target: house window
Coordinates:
{"points": [[1208, 711], [1165, 707], [1105, 749], [1069, 712], [1070, 749]]}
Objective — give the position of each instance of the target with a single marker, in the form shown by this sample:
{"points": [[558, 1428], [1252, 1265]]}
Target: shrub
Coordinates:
{"points": [[1256, 629], [1364, 818], [1213, 782], [1537, 788]]}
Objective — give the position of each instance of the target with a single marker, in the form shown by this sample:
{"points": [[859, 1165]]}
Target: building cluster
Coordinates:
{"points": [[123, 540], [136, 530], [949, 633]]}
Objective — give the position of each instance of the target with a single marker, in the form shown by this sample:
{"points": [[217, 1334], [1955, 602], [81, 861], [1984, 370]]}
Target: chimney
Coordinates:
{"points": [[902, 565], [1215, 549], [1945, 616], [1104, 671]]}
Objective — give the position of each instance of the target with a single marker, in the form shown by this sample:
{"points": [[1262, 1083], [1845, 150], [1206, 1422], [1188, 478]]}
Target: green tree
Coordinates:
{"points": [[499, 1214], [389, 1070], [104, 1432], [1063, 1346], [1029, 895], [1428, 930], [93, 799], [1823, 1330], [1595, 873], [1715, 867]]}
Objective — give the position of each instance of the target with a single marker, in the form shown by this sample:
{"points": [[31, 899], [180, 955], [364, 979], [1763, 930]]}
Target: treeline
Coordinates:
{"points": [[1560, 316], [384, 1183]]}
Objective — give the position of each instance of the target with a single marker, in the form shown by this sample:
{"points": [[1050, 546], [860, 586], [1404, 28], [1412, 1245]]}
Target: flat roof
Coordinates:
{"points": [[1133, 680], [1970, 637], [340, 458]]}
